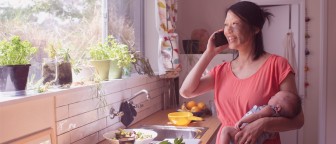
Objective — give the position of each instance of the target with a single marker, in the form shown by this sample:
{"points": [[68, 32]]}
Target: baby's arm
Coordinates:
{"points": [[227, 135], [267, 111]]}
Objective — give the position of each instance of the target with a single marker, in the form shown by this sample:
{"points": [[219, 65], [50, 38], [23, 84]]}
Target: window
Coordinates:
{"points": [[74, 24], [125, 21]]}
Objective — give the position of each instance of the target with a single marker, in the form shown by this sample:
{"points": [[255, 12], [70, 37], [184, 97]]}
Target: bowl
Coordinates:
{"points": [[199, 114], [202, 113], [111, 136], [182, 118]]}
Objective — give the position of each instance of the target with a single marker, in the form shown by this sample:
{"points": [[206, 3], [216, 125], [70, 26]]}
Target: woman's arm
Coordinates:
{"points": [[272, 124], [280, 124], [194, 84], [266, 111]]}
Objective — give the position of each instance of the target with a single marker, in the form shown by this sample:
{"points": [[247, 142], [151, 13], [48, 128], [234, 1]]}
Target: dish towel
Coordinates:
{"points": [[129, 113]]}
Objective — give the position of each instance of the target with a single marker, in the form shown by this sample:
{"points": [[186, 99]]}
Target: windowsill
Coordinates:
{"points": [[7, 98]]}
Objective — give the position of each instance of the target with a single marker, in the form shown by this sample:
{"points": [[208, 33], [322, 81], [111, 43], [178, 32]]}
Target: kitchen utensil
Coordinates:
{"points": [[182, 118]]}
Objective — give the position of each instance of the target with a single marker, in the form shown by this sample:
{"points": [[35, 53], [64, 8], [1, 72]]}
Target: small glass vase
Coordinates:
{"points": [[127, 71], [48, 70]]}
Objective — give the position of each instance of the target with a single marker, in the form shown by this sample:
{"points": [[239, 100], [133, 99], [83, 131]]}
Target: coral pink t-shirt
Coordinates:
{"points": [[234, 96]]}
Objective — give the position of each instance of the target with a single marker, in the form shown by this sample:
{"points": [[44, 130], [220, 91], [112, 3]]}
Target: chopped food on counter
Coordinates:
{"points": [[137, 135]]}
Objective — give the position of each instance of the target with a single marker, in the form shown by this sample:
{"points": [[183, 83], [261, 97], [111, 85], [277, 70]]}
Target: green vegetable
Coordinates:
{"points": [[176, 141]]}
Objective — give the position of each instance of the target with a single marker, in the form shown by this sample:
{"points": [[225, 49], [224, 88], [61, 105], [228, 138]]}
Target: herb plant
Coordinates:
{"points": [[16, 52], [113, 50], [120, 53], [99, 52]]}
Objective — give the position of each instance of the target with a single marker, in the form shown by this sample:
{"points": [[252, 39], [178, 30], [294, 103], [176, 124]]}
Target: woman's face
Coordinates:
{"points": [[238, 32]]}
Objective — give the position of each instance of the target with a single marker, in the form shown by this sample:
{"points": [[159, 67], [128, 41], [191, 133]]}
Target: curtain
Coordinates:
{"points": [[166, 15]]}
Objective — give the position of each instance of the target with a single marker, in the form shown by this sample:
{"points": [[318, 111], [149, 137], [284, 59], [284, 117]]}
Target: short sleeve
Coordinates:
{"points": [[216, 69], [283, 68]]}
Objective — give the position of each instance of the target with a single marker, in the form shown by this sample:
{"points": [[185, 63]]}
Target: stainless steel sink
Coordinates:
{"points": [[176, 131]]}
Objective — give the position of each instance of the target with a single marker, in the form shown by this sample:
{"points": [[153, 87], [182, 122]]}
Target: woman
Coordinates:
{"points": [[250, 79]]}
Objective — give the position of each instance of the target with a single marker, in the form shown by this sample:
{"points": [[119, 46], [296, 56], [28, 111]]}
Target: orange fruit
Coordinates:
{"points": [[201, 105], [195, 109], [191, 104]]}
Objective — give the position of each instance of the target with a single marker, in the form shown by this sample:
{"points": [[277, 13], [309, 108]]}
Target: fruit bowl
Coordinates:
{"points": [[199, 114]]}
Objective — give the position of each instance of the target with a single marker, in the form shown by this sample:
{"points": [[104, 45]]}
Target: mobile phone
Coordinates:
{"points": [[220, 39]]}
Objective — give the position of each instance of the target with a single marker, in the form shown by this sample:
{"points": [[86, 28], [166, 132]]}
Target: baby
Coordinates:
{"points": [[282, 103]]}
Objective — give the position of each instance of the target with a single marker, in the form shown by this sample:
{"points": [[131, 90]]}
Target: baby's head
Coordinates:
{"points": [[286, 104]]}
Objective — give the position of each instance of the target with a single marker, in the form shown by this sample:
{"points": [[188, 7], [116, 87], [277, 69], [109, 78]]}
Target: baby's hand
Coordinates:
{"points": [[238, 125]]}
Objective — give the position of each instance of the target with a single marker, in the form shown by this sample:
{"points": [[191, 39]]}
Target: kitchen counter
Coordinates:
{"points": [[161, 118]]}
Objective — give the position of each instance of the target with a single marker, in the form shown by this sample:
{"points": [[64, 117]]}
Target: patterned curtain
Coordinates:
{"points": [[166, 15]]}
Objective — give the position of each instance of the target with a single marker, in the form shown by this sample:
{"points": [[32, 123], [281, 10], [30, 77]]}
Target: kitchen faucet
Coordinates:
{"points": [[140, 92]]}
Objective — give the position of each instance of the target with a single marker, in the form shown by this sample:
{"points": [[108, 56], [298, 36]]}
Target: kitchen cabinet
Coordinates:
{"points": [[189, 60], [26, 120], [42, 137]]}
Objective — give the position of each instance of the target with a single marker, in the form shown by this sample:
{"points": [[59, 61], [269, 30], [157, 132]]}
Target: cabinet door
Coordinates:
{"points": [[41, 137]]}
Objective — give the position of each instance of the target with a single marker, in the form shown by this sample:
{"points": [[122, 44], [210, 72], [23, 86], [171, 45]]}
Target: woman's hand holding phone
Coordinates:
{"points": [[220, 39], [217, 42]]}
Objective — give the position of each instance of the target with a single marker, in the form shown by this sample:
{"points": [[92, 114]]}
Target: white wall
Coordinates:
{"points": [[331, 71], [196, 14], [311, 101]]}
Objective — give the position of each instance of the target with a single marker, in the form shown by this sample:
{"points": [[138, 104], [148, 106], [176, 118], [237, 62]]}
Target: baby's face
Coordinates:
{"points": [[281, 100]]}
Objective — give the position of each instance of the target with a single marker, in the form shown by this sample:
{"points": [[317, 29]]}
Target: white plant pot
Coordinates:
{"points": [[85, 74]]}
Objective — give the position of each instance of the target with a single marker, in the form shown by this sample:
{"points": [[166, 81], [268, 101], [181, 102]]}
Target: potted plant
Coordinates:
{"points": [[110, 57], [49, 66], [121, 58], [82, 71], [100, 60], [15, 56], [64, 67], [57, 68]]}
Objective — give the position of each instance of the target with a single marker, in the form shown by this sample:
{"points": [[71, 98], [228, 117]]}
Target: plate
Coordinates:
{"points": [[110, 136]]}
